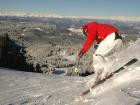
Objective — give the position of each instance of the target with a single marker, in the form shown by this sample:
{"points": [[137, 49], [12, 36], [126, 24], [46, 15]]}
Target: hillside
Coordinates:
{"points": [[23, 88]]}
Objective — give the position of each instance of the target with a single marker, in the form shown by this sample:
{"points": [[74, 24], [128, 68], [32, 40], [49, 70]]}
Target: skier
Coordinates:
{"points": [[109, 40]]}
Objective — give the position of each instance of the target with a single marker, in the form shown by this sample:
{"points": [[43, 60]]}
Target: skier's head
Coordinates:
{"points": [[85, 30], [89, 27]]}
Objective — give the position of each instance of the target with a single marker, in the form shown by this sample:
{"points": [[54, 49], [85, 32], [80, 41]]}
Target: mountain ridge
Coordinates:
{"points": [[53, 15]]}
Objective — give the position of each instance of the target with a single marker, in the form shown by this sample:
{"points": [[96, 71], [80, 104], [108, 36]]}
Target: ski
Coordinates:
{"points": [[116, 71]]}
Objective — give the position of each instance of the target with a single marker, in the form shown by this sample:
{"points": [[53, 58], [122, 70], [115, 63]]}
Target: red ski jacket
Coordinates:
{"points": [[98, 32]]}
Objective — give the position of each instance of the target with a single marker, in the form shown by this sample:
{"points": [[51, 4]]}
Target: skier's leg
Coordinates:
{"points": [[106, 47], [99, 65], [109, 45]]}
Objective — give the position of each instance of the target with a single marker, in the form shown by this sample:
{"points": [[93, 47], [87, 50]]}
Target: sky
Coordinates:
{"points": [[75, 7]]}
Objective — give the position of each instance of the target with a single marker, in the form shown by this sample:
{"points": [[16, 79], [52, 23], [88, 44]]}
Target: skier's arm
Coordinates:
{"points": [[88, 43]]}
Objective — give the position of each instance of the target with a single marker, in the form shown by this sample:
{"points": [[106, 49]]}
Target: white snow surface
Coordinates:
{"points": [[24, 88]]}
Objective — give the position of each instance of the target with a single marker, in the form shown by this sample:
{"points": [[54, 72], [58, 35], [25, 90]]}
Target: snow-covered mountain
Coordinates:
{"points": [[27, 14], [32, 14]]}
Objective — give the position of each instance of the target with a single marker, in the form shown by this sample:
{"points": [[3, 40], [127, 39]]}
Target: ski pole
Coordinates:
{"points": [[77, 64]]}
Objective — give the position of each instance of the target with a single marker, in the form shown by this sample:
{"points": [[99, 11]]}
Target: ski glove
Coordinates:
{"points": [[80, 54]]}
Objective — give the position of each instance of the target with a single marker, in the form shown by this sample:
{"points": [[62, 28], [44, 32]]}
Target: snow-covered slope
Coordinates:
{"points": [[24, 88]]}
